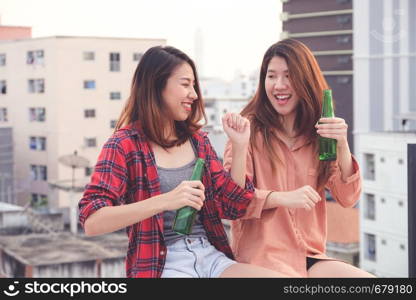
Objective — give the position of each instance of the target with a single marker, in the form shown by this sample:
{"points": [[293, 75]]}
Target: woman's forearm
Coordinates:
{"points": [[238, 164], [112, 218], [345, 161]]}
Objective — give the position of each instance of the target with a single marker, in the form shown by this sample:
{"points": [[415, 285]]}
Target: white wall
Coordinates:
{"points": [[390, 193]]}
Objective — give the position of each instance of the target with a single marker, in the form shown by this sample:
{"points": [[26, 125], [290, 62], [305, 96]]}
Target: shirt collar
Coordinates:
{"points": [[301, 141]]}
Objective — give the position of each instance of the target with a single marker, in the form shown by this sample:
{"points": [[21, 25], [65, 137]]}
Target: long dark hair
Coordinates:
{"points": [[307, 80], [145, 102]]}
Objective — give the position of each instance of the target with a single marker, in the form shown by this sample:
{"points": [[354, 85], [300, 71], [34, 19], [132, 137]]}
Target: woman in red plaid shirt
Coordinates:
{"points": [[141, 177]]}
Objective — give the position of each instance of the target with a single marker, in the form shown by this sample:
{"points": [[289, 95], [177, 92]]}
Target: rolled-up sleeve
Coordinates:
{"points": [[231, 200], [256, 205], [108, 182], [346, 192]]}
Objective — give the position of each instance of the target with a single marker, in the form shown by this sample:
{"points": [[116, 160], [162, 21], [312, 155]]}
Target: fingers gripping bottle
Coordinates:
{"points": [[327, 147], [185, 216]]}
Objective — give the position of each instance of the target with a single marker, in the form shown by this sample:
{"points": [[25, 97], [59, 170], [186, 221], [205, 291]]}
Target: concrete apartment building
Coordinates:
{"points": [[63, 94], [384, 205], [385, 122], [7, 182], [325, 26]]}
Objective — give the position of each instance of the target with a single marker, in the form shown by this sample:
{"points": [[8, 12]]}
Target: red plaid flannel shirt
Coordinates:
{"points": [[126, 173]]}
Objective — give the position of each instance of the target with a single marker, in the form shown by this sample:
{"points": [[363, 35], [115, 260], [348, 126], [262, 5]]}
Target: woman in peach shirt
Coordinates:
{"points": [[284, 228]]}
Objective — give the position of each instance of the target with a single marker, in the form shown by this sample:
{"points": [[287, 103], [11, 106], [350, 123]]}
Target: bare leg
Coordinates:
{"points": [[334, 269], [246, 270]]}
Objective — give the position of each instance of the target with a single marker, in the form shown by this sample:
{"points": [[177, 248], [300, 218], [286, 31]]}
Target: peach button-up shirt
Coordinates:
{"points": [[281, 238]]}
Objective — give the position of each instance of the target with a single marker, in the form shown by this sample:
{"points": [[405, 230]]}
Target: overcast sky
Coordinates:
{"points": [[235, 34]]}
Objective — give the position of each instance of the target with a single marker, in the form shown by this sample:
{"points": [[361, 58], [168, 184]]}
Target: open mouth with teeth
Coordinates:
{"points": [[282, 99], [187, 106]]}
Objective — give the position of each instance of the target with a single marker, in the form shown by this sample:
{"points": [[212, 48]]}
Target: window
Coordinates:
{"points": [[113, 124], [89, 55], [343, 39], [88, 171], [2, 59], [370, 207], [35, 57], [369, 166], [90, 142], [343, 79], [370, 246], [36, 86], [37, 143], [3, 87], [343, 19], [3, 114], [343, 59], [89, 113], [39, 172], [114, 62], [39, 200], [137, 56], [37, 114], [115, 95], [89, 84]]}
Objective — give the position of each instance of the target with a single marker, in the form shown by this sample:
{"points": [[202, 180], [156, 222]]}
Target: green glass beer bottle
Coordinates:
{"points": [[327, 147], [185, 216]]}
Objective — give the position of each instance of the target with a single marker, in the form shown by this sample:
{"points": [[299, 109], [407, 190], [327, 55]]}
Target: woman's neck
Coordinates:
{"points": [[169, 132], [288, 123]]}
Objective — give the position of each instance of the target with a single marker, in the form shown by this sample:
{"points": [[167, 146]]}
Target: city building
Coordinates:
{"points": [[385, 122], [385, 65], [383, 205], [240, 87], [215, 108], [7, 187], [15, 32], [7, 183], [66, 96], [63, 255], [326, 27]]}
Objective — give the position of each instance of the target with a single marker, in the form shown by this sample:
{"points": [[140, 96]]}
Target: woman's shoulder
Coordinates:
{"points": [[127, 137]]}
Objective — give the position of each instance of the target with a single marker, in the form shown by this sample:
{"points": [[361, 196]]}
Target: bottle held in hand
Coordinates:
{"points": [[327, 147], [185, 216]]}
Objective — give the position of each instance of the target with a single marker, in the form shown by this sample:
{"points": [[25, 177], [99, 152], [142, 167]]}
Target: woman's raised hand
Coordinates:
{"points": [[237, 128]]}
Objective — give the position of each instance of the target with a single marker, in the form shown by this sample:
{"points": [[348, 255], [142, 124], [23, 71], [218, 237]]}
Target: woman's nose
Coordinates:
{"points": [[193, 95], [280, 84]]}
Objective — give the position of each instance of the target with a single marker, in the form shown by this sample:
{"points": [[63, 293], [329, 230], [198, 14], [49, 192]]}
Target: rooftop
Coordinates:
{"points": [[64, 247], [4, 207], [162, 40]]}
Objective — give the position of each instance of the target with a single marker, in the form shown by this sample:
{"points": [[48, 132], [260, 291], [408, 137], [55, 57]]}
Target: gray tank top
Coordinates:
{"points": [[170, 178]]}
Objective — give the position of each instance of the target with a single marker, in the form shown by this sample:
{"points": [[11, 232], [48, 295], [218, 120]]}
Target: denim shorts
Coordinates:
{"points": [[194, 258]]}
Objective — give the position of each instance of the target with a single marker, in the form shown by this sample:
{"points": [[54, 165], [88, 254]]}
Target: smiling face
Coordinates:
{"points": [[179, 93], [279, 88]]}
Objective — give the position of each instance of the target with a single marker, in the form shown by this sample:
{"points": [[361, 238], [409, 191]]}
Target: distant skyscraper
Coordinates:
{"points": [[385, 122], [325, 26]]}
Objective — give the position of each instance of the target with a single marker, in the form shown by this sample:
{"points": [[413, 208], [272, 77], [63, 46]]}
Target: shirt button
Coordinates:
{"points": [[162, 252]]}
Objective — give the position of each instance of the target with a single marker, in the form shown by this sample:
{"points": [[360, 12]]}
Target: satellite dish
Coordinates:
{"points": [[74, 161]]}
